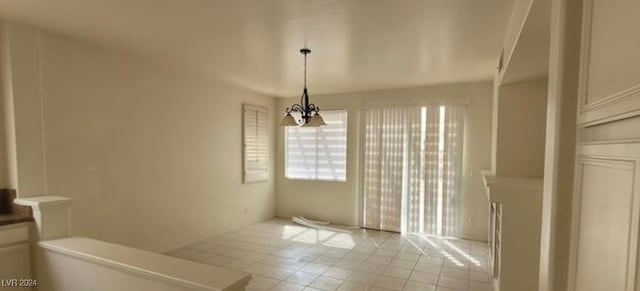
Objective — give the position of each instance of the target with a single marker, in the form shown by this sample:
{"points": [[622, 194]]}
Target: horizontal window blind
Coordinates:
{"points": [[256, 143], [318, 153]]}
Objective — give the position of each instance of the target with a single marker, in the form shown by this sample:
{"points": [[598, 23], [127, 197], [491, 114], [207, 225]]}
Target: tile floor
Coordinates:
{"points": [[284, 256]]}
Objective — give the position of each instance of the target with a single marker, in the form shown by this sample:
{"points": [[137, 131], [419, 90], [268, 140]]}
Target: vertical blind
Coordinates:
{"points": [[256, 143], [318, 153], [412, 169], [388, 132]]}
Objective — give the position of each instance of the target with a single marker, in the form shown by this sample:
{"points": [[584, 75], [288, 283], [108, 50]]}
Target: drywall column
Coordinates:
{"points": [[22, 94], [560, 148], [7, 149]]}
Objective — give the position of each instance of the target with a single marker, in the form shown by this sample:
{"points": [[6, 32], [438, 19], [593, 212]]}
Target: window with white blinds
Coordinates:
{"points": [[256, 143], [318, 153]]}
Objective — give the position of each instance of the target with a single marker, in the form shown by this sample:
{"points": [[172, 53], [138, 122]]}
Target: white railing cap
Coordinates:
{"points": [[44, 202], [192, 275]]}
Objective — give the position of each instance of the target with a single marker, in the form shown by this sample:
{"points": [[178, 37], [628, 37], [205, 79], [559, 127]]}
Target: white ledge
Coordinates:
{"points": [[192, 275], [500, 188], [44, 202]]}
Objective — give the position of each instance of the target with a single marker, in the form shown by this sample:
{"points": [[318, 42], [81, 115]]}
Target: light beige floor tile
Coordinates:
{"points": [[278, 273], [482, 268], [455, 273], [261, 283], [475, 286], [326, 260], [373, 268], [237, 264], [427, 267], [326, 283], [480, 277], [339, 273], [431, 260], [390, 283], [352, 286], [315, 268], [257, 268], [373, 259], [408, 256], [363, 278], [356, 256], [399, 273], [348, 264], [290, 264], [293, 257], [302, 278], [453, 283], [424, 277], [400, 263], [418, 286], [286, 286], [385, 253], [457, 263]]}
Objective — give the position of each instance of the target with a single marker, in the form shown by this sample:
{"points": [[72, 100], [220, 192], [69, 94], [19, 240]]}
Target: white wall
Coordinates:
{"points": [[338, 202], [150, 157], [520, 131]]}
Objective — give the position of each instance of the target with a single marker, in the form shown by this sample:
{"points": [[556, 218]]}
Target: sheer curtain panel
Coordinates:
{"points": [[412, 169], [387, 134]]}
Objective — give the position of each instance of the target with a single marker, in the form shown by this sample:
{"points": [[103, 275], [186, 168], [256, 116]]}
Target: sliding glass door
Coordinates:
{"points": [[412, 158]]}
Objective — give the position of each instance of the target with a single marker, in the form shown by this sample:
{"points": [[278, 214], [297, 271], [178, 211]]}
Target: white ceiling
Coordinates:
{"points": [[357, 44]]}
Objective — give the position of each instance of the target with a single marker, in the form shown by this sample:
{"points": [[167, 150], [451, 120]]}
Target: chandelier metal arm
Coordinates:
{"points": [[308, 111], [296, 108]]}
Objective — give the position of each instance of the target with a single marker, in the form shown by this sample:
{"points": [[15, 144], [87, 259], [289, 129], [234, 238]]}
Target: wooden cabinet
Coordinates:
{"points": [[606, 205], [15, 258]]}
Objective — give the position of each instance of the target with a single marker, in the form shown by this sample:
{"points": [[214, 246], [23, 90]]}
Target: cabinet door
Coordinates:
{"points": [[15, 264], [605, 230], [604, 240]]}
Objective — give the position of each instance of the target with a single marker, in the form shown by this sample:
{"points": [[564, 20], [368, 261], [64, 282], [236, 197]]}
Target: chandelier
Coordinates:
{"points": [[309, 112]]}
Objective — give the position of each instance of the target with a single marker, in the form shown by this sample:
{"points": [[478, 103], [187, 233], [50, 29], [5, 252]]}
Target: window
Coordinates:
{"points": [[318, 153], [256, 143]]}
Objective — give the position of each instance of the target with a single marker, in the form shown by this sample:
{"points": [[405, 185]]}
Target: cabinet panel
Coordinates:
{"points": [[610, 66], [614, 64], [605, 224], [12, 234], [15, 265], [605, 231]]}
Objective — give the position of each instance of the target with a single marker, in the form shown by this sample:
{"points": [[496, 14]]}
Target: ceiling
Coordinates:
{"points": [[357, 45]]}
